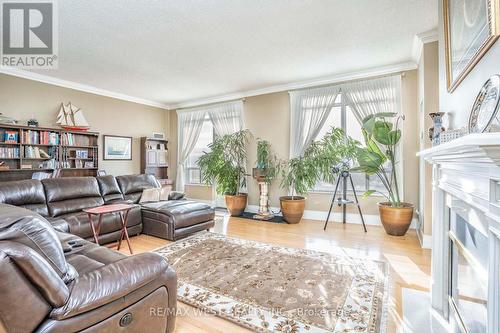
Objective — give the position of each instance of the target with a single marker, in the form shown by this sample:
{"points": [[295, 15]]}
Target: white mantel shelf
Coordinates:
{"points": [[472, 148]]}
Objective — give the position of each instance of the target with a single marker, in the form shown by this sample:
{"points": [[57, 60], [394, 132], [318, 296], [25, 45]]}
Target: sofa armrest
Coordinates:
{"points": [[111, 282]]}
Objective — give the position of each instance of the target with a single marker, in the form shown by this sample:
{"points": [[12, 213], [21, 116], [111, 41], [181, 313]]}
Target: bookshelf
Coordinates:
{"points": [[25, 150], [154, 157]]}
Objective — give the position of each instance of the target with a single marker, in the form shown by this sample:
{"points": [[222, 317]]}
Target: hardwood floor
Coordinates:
{"points": [[409, 263]]}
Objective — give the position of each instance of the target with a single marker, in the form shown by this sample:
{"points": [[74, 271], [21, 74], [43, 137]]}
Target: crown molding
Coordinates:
{"points": [[373, 72], [419, 40], [80, 87]]}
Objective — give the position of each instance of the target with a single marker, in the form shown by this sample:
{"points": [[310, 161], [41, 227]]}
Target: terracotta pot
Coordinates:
{"points": [[292, 209], [236, 204], [396, 220]]}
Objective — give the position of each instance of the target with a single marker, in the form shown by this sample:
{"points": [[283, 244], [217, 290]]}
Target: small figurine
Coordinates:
{"points": [[33, 122]]}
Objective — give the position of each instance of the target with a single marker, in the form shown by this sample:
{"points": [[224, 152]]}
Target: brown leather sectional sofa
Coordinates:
{"points": [[53, 279], [61, 200]]}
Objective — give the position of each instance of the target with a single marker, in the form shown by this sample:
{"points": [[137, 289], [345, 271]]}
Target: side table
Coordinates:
{"points": [[122, 210]]}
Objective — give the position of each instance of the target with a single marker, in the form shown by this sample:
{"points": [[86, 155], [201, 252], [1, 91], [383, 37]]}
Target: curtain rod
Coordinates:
{"points": [[402, 74]]}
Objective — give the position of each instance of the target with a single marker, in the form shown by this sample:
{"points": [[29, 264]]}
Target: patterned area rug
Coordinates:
{"points": [[275, 289]]}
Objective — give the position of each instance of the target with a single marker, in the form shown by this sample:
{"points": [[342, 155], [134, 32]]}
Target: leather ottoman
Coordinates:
{"points": [[176, 218]]}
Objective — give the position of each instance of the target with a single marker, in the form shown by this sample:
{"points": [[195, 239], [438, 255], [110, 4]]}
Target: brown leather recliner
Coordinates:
{"points": [[57, 282]]}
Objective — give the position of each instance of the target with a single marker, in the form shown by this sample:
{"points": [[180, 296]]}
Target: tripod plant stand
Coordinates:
{"points": [[343, 201]]}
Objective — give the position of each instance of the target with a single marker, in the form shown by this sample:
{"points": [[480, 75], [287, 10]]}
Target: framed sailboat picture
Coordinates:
{"points": [[471, 27], [117, 147]]}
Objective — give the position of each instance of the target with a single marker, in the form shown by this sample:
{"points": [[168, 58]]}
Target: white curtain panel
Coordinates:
{"points": [[309, 110], [189, 124], [227, 118], [373, 96]]}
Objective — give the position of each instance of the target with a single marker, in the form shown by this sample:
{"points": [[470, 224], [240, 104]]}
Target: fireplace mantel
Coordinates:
{"points": [[473, 148], [466, 176]]}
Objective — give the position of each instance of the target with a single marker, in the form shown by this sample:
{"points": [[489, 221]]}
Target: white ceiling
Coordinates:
{"points": [[175, 51]]}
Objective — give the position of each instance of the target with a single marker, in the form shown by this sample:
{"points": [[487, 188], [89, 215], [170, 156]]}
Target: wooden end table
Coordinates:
{"points": [[121, 209]]}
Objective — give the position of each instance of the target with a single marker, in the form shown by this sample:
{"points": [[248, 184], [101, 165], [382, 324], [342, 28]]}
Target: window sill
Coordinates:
{"points": [[349, 192]]}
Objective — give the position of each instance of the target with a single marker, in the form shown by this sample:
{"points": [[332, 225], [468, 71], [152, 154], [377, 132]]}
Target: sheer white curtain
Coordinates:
{"points": [[189, 124], [373, 96], [227, 118], [309, 110]]}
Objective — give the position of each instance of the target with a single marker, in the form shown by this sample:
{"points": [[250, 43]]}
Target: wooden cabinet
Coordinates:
{"points": [[154, 157]]}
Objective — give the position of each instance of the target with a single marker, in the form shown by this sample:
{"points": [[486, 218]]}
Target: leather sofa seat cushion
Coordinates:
{"points": [[132, 186], [27, 193], [26, 227], [110, 190], [85, 256], [78, 222], [183, 213]]}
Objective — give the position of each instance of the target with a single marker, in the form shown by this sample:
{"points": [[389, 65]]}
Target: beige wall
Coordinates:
{"points": [[268, 117], [24, 99], [428, 78]]}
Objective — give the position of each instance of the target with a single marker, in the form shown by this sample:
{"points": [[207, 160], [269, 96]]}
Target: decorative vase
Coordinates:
{"points": [[236, 204], [435, 131], [292, 208], [396, 220]]}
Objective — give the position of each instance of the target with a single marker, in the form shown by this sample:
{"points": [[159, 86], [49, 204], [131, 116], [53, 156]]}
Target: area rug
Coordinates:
{"points": [[276, 289]]}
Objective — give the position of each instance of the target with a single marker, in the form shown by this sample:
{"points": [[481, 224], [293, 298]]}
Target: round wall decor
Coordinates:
{"points": [[485, 108]]}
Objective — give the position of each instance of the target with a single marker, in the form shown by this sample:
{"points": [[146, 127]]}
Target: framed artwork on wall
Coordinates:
{"points": [[471, 27], [117, 147]]}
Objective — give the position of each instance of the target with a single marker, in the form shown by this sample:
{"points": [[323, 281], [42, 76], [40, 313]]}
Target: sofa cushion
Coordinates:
{"points": [[72, 194], [132, 185], [28, 194], [78, 222], [183, 213], [110, 190]]}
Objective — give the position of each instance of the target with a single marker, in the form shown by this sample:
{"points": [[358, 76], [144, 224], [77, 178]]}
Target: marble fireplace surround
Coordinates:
{"points": [[467, 171]]}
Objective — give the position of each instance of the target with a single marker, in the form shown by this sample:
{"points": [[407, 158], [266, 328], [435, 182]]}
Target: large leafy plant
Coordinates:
{"points": [[382, 135], [267, 161], [225, 163], [301, 174]]}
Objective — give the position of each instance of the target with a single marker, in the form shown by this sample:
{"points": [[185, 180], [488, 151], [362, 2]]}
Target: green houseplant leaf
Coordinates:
{"points": [[225, 163]]}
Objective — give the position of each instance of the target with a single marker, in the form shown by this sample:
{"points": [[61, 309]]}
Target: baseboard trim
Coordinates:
{"points": [[335, 217], [425, 240]]}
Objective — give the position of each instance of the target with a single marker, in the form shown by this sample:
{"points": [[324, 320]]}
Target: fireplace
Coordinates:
{"points": [[468, 280], [465, 272]]}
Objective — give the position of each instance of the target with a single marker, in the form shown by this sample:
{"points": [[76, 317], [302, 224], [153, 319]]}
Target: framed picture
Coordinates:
{"points": [[117, 147], [471, 27]]}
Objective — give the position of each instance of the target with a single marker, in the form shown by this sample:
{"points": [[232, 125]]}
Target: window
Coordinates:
{"points": [[342, 116], [193, 173]]}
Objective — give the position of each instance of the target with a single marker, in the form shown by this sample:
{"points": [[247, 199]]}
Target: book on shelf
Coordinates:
{"points": [[40, 137], [11, 137], [9, 152], [71, 139]]}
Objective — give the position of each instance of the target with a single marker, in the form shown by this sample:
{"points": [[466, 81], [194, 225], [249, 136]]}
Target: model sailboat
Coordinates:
{"points": [[71, 117]]}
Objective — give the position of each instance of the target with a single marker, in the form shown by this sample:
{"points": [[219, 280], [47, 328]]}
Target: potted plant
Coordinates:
{"points": [[225, 165], [302, 173], [267, 164], [382, 137]]}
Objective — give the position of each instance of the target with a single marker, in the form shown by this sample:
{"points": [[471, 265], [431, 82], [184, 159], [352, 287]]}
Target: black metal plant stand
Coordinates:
{"points": [[343, 201]]}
